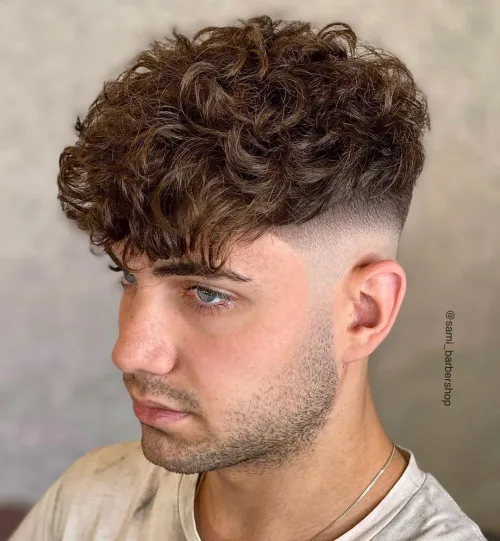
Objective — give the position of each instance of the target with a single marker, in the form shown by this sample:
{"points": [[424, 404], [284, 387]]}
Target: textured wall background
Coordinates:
{"points": [[60, 395]]}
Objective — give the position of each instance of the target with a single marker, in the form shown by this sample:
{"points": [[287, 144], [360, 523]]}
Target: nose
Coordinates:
{"points": [[146, 336]]}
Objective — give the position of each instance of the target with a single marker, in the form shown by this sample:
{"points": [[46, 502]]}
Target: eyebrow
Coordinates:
{"points": [[186, 268]]}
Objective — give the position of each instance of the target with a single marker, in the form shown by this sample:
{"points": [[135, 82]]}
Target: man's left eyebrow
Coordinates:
{"points": [[196, 269], [187, 268]]}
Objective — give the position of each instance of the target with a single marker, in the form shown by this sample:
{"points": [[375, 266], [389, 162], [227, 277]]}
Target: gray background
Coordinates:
{"points": [[60, 395]]}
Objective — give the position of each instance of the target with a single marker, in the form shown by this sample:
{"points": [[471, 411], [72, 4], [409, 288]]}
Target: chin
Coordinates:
{"points": [[164, 450]]}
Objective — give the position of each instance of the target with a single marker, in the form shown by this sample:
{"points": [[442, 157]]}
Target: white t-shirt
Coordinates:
{"points": [[115, 494]]}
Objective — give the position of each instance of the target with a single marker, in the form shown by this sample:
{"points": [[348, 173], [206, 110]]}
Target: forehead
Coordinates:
{"points": [[250, 262]]}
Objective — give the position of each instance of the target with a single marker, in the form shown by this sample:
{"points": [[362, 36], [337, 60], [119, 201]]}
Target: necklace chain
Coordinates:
{"points": [[361, 496], [350, 508]]}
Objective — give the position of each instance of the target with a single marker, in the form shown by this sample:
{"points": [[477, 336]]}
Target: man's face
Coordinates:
{"points": [[258, 377]]}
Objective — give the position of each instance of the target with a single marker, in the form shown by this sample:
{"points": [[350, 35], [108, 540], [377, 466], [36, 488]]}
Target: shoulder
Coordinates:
{"points": [[439, 508], [431, 513], [123, 456], [114, 486], [99, 492], [108, 471]]}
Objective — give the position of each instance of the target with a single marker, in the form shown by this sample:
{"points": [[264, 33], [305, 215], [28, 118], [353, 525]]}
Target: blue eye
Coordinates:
{"points": [[203, 306], [199, 305], [124, 279]]}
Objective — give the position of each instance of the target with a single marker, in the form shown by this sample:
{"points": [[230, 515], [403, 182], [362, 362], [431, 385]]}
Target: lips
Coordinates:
{"points": [[155, 405], [156, 416]]}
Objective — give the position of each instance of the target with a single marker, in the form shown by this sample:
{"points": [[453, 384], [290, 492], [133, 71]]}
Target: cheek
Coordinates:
{"points": [[247, 362]]}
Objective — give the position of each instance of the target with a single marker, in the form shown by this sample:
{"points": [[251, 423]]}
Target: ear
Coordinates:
{"points": [[373, 294]]}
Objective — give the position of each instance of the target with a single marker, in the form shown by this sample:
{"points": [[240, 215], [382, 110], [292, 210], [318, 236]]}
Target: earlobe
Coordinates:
{"points": [[377, 291]]}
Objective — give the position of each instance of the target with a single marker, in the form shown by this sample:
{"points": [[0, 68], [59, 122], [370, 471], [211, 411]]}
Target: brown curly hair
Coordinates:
{"points": [[202, 143]]}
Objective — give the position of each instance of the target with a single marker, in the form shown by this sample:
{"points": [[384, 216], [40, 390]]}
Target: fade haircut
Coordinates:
{"points": [[261, 127]]}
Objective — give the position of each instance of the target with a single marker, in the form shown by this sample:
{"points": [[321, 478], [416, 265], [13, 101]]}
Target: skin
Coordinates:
{"points": [[281, 413]]}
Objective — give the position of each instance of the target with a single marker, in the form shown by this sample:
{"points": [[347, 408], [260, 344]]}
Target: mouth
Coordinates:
{"points": [[154, 405], [155, 414]]}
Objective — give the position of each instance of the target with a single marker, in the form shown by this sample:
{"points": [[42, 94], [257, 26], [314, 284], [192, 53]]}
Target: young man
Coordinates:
{"points": [[251, 187]]}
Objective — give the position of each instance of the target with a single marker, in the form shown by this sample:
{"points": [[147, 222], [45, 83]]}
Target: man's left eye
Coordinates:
{"points": [[126, 275]]}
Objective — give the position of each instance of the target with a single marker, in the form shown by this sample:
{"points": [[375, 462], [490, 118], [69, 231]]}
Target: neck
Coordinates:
{"points": [[299, 499]]}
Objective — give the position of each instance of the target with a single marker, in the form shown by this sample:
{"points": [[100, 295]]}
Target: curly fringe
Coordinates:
{"points": [[204, 143]]}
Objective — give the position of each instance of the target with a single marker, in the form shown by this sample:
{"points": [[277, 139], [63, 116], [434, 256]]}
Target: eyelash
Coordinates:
{"points": [[228, 299]]}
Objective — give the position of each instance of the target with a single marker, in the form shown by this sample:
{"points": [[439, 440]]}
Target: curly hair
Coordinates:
{"points": [[204, 143]]}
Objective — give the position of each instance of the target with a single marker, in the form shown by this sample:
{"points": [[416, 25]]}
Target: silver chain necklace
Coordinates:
{"points": [[349, 509], [362, 495]]}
